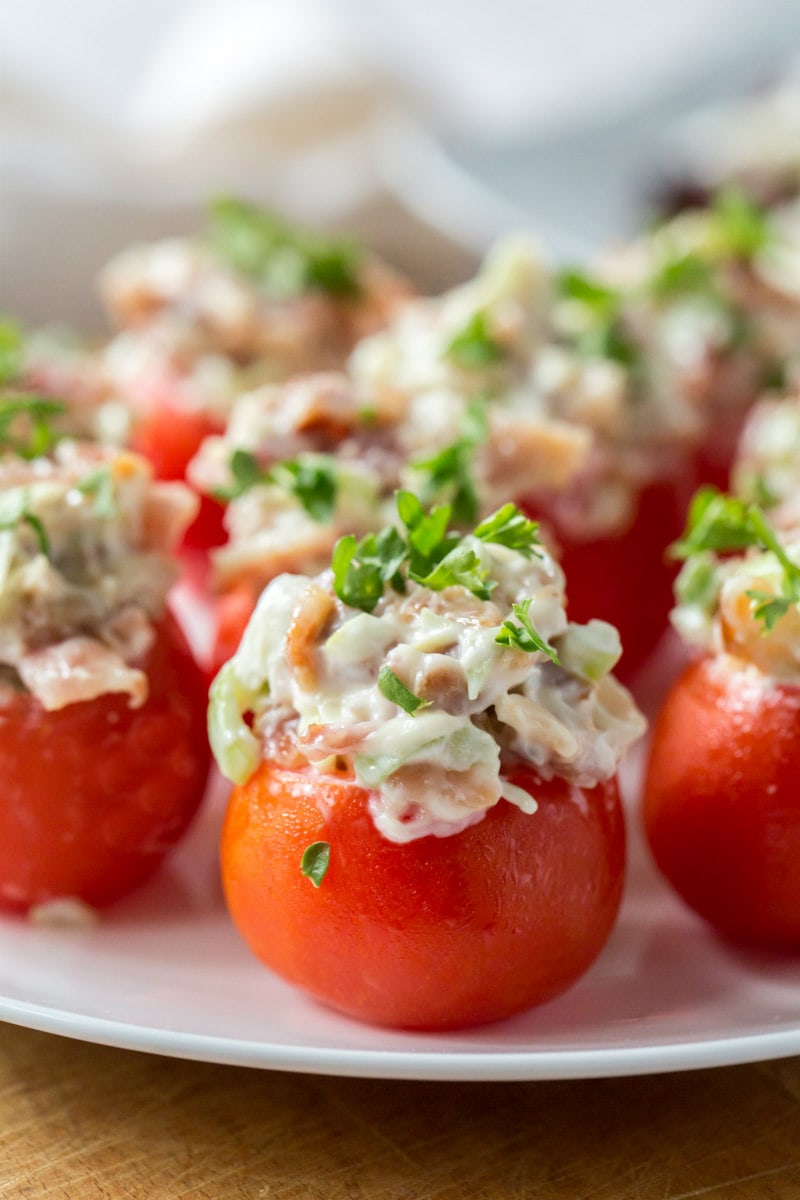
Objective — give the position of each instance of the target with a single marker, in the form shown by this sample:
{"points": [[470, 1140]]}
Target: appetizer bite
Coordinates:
{"points": [[103, 752], [425, 830], [712, 300], [203, 319], [721, 796]]}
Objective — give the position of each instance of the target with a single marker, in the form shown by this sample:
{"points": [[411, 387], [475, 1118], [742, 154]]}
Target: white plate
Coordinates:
{"points": [[165, 972]]}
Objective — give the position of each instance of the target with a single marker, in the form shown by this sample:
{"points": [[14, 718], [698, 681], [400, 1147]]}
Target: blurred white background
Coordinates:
{"points": [[118, 117]]}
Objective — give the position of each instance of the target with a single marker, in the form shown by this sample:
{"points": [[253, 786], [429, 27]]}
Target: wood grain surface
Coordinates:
{"points": [[84, 1122]]}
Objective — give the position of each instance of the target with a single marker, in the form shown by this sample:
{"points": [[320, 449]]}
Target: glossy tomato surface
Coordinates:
{"points": [[626, 578], [96, 793], [168, 433], [722, 800], [232, 612], [435, 934]]}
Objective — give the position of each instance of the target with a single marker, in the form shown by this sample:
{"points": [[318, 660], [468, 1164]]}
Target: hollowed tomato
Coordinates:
{"points": [[722, 800], [437, 933], [95, 794]]}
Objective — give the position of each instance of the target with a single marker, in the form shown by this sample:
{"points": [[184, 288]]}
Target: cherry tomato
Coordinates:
{"points": [[96, 793], [625, 578], [722, 800], [439, 933], [233, 610], [169, 433]]}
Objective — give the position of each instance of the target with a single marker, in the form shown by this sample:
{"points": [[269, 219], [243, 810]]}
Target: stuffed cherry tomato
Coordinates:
{"points": [[721, 798], [436, 933], [722, 801], [96, 793], [102, 746], [438, 756]]}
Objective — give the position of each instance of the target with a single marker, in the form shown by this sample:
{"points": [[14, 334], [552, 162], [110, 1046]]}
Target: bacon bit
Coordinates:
{"points": [[455, 602], [322, 741], [308, 621]]}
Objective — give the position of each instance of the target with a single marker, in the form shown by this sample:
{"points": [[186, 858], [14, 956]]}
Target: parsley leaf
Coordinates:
{"points": [[524, 636], [315, 862], [283, 259], [26, 427], [246, 472], [460, 567], [449, 472], [14, 511], [716, 522], [362, 569], [742, 227], [11, 346], [311, 479], [726, 524], [604, 334], [396, 691], [313, 482], [100, 484], [429, 554], [473, 346], [509, 527]]}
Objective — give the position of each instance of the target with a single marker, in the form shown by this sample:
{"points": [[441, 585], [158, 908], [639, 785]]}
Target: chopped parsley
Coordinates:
{"points": [[11, 347], [315, 862], [283, 259], [100, 485], [362, 569], [509, 527], [603, 333], [396, 691], [473, 346], [310, 478], [26, 423], [741, 226], [448, 474], [428, 552], [523, 636], [720, 524], [14, 511]]}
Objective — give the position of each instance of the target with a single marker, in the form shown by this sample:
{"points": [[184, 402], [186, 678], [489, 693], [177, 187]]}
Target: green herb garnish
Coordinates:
{"points": [[473, 347], [11, 347], [742, 227], [311, 479], [449, 473], [100, 484], [429, 553], [396, 691], [723, 524], [283, 259], [509, 527], [523, 636], [362, 569], [26, 424], [604, 334], [14, 511], [315, 862]]}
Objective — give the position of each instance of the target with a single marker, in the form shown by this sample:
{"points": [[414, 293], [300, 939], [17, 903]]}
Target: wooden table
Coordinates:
{"points": [[84, 1122]]}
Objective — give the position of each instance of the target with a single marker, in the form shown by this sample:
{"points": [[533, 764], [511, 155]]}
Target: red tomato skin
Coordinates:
{"points": [[625, 578], [722, 801], [169, 433], [95, 794], [232, 611], [439, 933]]}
